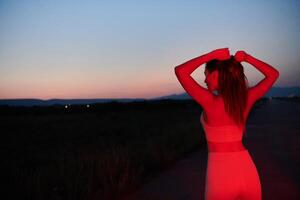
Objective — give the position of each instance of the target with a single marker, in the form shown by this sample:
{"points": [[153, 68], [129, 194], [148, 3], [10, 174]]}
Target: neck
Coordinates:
{"points": [[216, 92]]}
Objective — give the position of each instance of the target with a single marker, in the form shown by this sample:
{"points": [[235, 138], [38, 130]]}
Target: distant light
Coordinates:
{"points": [[87, 105], [66, 106]]}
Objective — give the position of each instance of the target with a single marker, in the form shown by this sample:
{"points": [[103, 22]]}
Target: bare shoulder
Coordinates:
{"points": [[215, 105], [252, 96], [251, 99], [261, 88]]}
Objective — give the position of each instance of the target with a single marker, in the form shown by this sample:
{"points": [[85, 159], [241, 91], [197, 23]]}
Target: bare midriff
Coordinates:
{"points": [[225, 146]]}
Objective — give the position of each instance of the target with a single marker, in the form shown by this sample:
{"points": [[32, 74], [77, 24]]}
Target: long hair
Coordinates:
{"points": [[233, 86]]}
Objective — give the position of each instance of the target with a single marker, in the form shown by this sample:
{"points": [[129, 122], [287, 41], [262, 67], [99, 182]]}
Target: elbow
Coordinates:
{"points": [[177, 70], [181, 71], [276, 73]]}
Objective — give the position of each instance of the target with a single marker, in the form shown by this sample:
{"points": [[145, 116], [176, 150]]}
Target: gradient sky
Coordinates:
{"points": [[128, 49]]}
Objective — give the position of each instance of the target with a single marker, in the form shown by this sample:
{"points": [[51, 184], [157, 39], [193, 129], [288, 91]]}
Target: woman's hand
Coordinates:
{"points": [[221, 54], [240, 56]]}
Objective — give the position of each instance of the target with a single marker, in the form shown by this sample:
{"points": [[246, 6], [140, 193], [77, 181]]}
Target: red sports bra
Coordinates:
{"points": [[225, 138]]}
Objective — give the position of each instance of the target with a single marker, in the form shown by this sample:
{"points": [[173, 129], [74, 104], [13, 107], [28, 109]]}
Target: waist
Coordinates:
{"points": [[225, 146]]}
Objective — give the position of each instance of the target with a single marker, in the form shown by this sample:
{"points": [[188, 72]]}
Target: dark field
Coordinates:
{"points": [[104, 151]]}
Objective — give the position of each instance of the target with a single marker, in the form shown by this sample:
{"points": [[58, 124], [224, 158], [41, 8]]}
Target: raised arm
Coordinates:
{"points": [[271, 75], [184, 71]]}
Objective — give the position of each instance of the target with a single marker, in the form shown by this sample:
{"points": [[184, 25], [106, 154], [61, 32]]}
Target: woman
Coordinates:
{"points": [[231, 172]]}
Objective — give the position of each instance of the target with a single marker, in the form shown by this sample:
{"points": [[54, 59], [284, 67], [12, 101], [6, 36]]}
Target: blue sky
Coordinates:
{"points": [[128, 49]]}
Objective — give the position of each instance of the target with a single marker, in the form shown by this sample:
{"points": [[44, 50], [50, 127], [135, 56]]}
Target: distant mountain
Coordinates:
{"points": [[283, 92], [39, 102], [181, 96], [273, 92]]}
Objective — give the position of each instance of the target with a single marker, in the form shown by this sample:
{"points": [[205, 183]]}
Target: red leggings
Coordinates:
{"points": [[232, 176]]}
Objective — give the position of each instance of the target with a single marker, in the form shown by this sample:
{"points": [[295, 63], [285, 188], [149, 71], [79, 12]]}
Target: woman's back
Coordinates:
{"points": [[231, 172], [216, 115]]}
